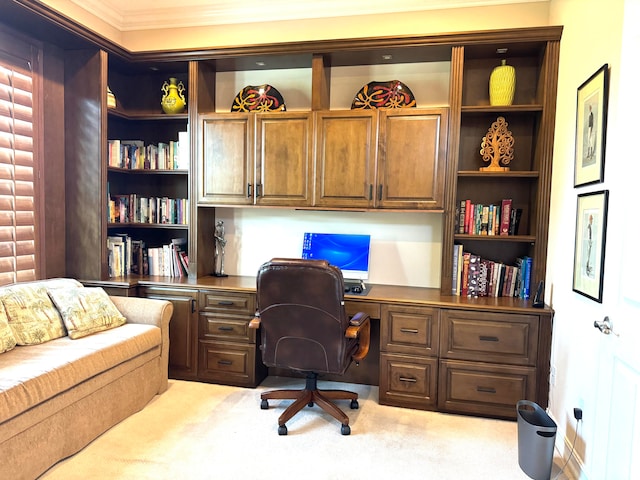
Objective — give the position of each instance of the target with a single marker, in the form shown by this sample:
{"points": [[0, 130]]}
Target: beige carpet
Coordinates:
{"points": [[203, 431]]}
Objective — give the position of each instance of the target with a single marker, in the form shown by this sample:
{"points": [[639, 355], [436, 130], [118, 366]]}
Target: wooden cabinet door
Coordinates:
{"points": [[412, 158], [226, 173], [183, 329], [283, 159], [345, 154]]}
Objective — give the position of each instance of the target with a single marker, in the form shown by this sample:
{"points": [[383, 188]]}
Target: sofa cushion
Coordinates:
{"points": [[86, 310], [31, 375], [7, 340], [32, 316]]}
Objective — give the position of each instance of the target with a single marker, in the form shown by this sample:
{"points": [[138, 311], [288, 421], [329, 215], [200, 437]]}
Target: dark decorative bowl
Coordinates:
{"points": [[392, 94], [258, 98]]}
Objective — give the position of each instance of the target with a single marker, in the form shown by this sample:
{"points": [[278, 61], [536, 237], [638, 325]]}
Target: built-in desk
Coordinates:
{"points": [[429, 351]]}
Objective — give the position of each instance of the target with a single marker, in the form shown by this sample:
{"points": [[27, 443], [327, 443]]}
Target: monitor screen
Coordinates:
{"points": [[348, 252]]}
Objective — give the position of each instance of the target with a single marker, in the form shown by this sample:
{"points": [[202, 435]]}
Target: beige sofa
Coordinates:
{"points": [[57, 396]]}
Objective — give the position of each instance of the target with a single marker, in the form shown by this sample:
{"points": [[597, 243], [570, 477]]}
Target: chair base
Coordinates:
{"points": [[310, 396]]}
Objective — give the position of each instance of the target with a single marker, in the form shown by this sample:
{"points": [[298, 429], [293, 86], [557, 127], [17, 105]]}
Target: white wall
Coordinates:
{"points": [[593, 35], [405, 247]]}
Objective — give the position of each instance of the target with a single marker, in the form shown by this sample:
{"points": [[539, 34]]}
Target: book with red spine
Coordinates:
{"points": [[505, 217]]}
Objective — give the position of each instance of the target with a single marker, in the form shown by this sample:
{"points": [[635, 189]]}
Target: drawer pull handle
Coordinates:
{"points": [[225, 362], [225, 329], [225, 303], [486, 389], [407, 379], [486, 338], [409, 330]]}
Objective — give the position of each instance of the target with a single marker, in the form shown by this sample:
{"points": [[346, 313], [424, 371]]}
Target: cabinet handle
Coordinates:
{"points": [[486, 389], [249, 190], [380, 192], [370, 191], [225, 362], [409, 330], [486, 338], [225, 303], [258, 189], [193, 305], [225, 329], [407, 379]]}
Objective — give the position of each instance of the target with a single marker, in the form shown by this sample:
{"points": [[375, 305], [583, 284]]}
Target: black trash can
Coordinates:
{"points": [[536, 440]]}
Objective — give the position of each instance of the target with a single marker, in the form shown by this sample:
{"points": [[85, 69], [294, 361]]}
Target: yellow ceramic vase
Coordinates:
{"points": [[502, 84], [173, 100]]}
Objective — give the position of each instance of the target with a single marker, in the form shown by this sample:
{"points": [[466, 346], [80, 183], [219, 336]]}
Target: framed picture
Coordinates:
{"points": [[591, 229], [591, 128]]}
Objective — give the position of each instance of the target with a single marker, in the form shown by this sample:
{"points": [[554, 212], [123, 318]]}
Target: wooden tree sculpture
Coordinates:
{"points": [[497, 147]]}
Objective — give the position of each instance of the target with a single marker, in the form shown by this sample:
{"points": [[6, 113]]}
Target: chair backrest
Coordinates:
{"points": [[302, 316]]}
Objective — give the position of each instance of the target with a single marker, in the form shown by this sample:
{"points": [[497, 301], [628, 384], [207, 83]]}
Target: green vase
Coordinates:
{"points": [[502, 84], [173, 100]]}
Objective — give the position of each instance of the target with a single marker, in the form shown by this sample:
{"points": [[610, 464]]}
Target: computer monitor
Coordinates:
{"points": [[348, 252]]}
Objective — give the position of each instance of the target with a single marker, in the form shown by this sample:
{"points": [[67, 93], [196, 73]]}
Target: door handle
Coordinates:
{"points": [[605, 326]]}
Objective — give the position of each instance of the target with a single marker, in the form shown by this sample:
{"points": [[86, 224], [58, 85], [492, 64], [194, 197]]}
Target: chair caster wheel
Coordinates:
{"points": [[354, 405], [310, 404], [345, 430], [282, 430], [264, 405]]}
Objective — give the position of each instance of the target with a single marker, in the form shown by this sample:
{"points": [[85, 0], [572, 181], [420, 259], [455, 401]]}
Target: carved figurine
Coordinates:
{"points": [[497, 147], [220, 242]]}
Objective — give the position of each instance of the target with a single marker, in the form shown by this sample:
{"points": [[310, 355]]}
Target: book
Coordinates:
{"points": [[474, 272], [484, 220], [483, 278], [461, 215], [514, 225], [454, 273], [464, 281], [505, 218]]}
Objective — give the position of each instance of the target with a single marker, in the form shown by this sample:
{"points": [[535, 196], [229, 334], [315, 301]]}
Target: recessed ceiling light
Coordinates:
{"points": [[501, 51]]}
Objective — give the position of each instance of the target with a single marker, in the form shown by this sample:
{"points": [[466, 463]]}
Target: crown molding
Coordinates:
{"points": [[127, 15]]}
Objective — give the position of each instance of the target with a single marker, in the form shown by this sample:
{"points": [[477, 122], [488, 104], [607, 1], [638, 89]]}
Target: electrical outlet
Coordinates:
{"points": [[577, 413]]}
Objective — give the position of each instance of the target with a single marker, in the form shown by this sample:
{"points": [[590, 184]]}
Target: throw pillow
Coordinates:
{"points": [[86, 310], [32, 316], [7, 340]]}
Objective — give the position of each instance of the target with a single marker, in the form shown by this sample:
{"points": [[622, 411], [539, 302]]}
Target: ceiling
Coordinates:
{"points": [[127, 15]]}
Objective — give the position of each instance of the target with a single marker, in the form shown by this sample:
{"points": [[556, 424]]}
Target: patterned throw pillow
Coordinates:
{"points": [[7, 340], [86, 310], [32, 316]]}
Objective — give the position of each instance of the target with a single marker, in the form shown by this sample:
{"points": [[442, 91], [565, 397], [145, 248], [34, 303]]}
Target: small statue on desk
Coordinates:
{"points": [[220, 242]]}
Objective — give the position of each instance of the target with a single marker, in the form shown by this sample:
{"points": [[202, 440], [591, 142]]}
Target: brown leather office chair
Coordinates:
{"points": [[305, 329]]}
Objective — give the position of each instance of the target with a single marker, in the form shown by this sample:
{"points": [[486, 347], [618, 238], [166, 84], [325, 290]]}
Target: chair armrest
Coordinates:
{"points": [[360, 328], [255, 322]]}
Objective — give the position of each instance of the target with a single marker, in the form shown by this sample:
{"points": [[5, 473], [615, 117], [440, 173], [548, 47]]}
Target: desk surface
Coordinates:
{"points": [[377, 292]]}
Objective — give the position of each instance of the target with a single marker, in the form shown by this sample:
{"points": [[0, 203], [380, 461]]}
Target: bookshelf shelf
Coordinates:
{"points": [[142, 171], [495, 238], [482, 109], [169, 226], [510, 174], [137, 116]]}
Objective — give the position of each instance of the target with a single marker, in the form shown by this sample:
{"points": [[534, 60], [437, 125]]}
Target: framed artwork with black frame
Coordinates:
{"points": [[591, 232], [591, 128]]}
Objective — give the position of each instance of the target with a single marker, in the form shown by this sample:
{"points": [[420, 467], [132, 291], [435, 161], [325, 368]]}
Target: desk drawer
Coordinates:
{"points": [[482, 389], [371, 309], [409, 330], [408, 381], [488, 336], [228, 302], [226, 327], [227, 362]]}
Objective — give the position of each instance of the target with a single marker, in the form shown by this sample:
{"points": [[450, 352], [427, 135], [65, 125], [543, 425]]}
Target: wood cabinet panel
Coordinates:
{"points": [[183, 329], [284, 159], [226, 168], [229, 363], [484, 389], [227, 302], [230, 328], [345, 155], [408, 381], [412, 158], [410, 330], [491, 337]]}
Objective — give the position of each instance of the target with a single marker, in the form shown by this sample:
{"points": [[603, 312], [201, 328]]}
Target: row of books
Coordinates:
{"points": [[135, 155], [132, 208], [479, 219], [474, 276], [127, 256]]}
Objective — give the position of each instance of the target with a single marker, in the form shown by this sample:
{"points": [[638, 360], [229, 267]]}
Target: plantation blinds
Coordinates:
{"points": [[17, 203]]}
